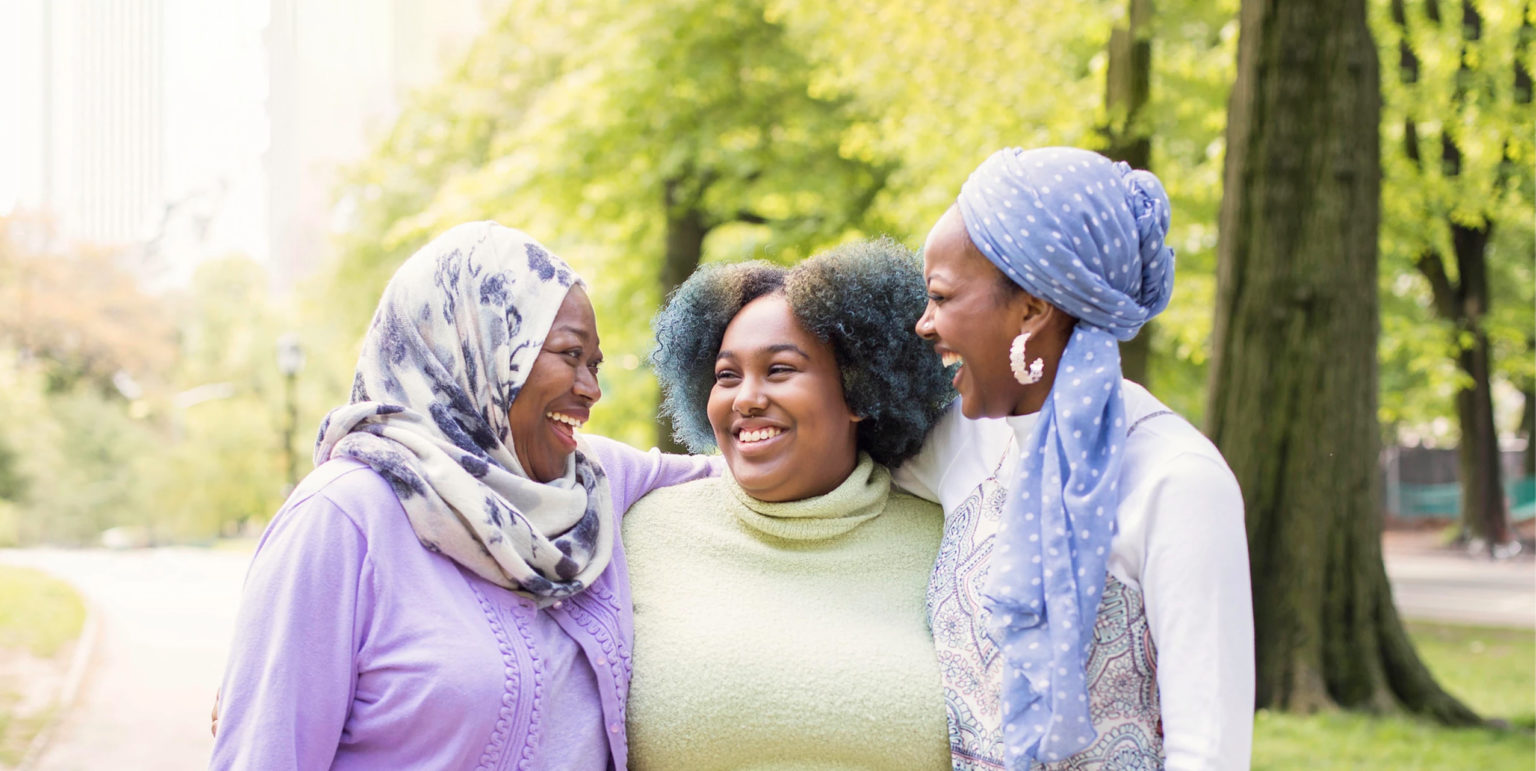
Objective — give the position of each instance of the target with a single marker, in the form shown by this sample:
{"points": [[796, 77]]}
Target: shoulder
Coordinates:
{"points": [[1167, 457], [342, 495], [955, 444], [1159, 438], [913, 512], [908, 504], [680, 500]]}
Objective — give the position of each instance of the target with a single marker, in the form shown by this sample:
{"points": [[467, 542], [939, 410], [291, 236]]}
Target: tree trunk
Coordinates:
{"points": [[1484, 512], [686, 229], [1128, 87], [1528, 426], [1293, 371]]}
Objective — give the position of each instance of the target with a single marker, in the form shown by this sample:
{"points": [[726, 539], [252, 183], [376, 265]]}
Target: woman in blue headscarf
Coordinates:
{"points": [[1090, 603]]}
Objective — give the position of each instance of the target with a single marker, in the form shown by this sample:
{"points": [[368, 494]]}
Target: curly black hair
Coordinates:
{"points": [[861, 298]]}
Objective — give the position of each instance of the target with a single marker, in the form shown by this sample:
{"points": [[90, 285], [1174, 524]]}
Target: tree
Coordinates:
{"points": [[649, 138], [1127, 90], [1460, 162], [1294, 373]]}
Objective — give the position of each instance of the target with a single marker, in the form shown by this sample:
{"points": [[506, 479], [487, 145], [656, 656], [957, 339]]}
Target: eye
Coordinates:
{"points": [[595, 366], [725, 376], [935, 298], [780, 369]]}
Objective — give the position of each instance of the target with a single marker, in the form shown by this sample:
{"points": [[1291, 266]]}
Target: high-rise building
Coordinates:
{"points": [[86, 98], [339, 73]]}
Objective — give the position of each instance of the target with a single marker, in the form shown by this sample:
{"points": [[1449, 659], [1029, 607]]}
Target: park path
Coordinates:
{"points": [[1432, 583], [164, 620], [163, 624]]}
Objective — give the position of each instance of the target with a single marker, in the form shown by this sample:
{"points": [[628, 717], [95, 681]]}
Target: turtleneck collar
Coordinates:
{"points": [[860, 498], [1021, 426]]}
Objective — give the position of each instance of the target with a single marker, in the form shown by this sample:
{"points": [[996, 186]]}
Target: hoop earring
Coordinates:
{"points": [[1026, 375]]}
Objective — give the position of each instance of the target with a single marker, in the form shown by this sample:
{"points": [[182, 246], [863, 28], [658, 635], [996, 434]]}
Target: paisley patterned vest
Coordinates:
{"points": [[1122, 663]]}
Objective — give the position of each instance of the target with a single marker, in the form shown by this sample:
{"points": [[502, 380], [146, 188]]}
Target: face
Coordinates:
{"points": [[777, 406], [971, 320], [561, 388]]}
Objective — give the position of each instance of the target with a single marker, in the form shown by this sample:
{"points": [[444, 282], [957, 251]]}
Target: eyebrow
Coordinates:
{"points": [[583, 333], [777, 348]]}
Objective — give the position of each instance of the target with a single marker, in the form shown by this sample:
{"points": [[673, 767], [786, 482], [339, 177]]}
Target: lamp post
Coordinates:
{"points": [[290, 359]]}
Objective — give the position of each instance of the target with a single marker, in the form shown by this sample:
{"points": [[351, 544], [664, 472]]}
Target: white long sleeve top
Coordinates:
{"points": [[1181, 542]]}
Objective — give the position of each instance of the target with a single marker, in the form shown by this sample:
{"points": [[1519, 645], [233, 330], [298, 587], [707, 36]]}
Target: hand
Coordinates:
{"points": [[215, 716]]}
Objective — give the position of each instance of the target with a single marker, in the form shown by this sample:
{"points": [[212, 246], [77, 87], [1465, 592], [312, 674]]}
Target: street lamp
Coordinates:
{"points": [[290, 359]]}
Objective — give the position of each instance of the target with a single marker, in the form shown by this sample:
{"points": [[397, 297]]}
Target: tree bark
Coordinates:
{"points": [[1128, 87], [1484, 512], [1464, 302], [1528, 425], [1293, 373], [687, 225]]}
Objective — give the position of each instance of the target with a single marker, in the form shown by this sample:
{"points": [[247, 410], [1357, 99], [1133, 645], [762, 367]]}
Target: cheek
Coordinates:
{"points": [[827, 403], [718, 410]]}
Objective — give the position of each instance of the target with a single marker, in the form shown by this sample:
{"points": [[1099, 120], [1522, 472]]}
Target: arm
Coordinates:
{"points": [[1195, 581], [292, 670], [923, 474], [632, 473]]}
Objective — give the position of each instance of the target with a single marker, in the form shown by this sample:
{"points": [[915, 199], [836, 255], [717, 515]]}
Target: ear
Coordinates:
{"points": [[1031, 313]]}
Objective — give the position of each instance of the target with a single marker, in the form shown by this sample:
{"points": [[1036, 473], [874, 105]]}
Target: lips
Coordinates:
{"points": [[756, 436], [760, 435], [563, 423]]}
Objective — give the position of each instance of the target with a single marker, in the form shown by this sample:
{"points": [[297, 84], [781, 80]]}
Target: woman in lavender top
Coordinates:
{"points": [[447, 589]]}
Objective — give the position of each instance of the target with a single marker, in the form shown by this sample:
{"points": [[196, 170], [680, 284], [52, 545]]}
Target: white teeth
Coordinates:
{"points": [[950, 358], [759, 435], [561, 417]]}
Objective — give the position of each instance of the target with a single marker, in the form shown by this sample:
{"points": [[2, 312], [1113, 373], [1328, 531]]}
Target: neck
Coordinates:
{"points": [[1032, 397]]}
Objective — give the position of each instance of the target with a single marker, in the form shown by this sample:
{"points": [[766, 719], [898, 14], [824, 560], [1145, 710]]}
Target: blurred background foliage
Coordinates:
{"points": [[640, 139]]}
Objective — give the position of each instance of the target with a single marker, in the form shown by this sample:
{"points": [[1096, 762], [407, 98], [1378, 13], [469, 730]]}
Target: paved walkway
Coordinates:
{"points": [[1431, 583], [165, 617]]}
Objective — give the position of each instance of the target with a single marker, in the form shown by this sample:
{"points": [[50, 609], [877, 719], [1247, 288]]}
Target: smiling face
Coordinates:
{"points": [[973, 316], [777, 406], [560, 390]]}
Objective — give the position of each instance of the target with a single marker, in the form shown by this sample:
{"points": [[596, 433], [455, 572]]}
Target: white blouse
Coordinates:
{"points": [[1181, 543]]}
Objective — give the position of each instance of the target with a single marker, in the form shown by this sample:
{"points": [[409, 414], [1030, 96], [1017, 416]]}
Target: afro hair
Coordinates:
{"points": [[861, 298]]}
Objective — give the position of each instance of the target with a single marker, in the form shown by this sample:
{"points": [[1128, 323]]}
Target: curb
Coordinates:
{"points": [[74, 678]]}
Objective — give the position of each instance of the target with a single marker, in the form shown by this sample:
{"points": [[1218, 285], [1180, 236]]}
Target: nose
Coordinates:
{"points": [[750, 398], [587, 386], [924, 326]]}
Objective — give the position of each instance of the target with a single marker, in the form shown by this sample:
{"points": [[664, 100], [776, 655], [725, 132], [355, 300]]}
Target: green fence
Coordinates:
{"points": [[1444, 501]]}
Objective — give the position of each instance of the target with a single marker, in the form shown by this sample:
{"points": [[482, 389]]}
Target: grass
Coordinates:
{"points": [[1492, 670], [38, 613], [39, 616]]}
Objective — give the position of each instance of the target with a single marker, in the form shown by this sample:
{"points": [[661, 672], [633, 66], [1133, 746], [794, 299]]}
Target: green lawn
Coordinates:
{"points": [[39, 616], [1492, 670], [38, 613]]}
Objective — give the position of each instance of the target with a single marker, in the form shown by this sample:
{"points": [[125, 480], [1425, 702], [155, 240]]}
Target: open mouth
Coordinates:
{"points": [[760, 441], [952, 359], [564, 425], [759, 435]]}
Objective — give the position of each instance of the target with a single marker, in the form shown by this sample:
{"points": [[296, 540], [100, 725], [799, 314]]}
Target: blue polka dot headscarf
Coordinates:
{"points": [[1088, 236]]}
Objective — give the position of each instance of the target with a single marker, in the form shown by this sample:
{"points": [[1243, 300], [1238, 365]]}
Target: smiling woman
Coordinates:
{"points": [[777, 390], [446, 589], [779, 609]]}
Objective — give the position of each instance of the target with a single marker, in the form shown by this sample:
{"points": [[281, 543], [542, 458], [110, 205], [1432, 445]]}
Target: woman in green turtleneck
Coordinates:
{"points": [[779, 608]]}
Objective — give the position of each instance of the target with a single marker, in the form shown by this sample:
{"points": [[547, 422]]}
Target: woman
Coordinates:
{"points": [[446, 589], [779, 608], [1090, 602]]}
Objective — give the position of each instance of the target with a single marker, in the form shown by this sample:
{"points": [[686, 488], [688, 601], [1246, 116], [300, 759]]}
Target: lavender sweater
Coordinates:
{"points": [[355, 648]]}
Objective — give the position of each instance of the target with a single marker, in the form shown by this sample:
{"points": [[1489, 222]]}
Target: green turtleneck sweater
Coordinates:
{"points": [[784, 635]]}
